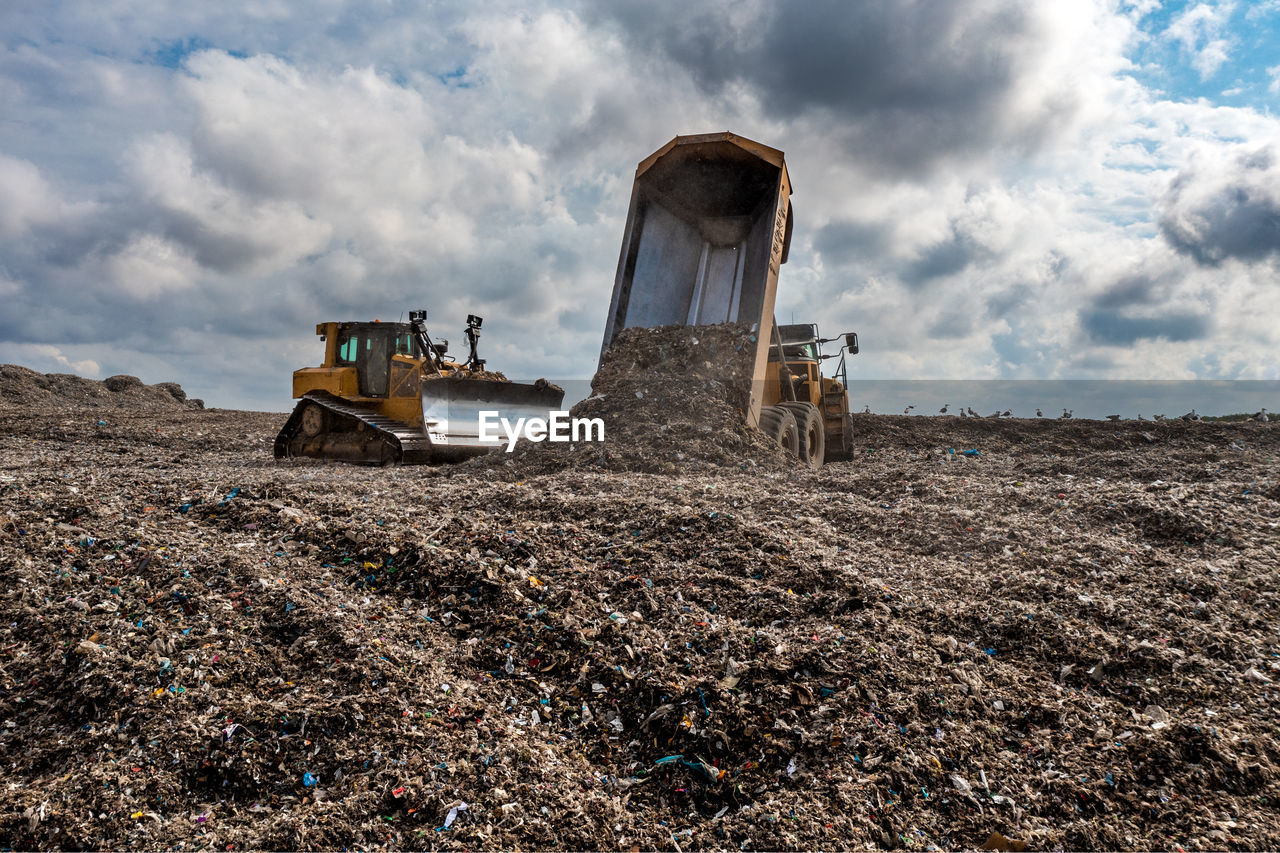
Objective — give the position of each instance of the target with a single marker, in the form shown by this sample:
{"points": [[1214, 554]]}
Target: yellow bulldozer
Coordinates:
{"points": [[708, 228], [387, 394]]}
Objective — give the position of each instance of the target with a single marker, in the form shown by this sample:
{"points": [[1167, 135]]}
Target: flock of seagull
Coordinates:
{"points": [[1067, 414]]}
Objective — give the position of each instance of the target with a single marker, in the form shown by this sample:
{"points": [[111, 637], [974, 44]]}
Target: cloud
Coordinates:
{"points": [[844, 241], [150, 265], [297, 195], [1261, 8], [953, 323], [1221, 208], [47, 359], [1136, 289], [222, 229], [1199, 31], [980, 186], [949, 257], [26, 199], [1112, 329], [905, 84]]}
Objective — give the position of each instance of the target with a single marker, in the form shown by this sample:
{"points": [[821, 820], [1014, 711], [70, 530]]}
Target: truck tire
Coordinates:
{"points": [[841, 450], [813, 436], [780, 426]]}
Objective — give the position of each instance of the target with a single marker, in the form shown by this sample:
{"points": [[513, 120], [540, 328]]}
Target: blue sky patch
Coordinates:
{"points": [[172, 54], [1226, 53]]}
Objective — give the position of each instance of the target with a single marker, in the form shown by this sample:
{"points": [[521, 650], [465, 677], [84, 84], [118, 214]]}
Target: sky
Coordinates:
{"points": [[983, 189]]}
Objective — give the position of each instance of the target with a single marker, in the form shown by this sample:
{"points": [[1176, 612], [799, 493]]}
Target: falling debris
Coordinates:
{"points": [[672, 399]]}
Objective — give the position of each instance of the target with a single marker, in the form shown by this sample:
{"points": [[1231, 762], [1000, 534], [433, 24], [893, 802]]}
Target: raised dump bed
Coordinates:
{"points": [[708, 227]]}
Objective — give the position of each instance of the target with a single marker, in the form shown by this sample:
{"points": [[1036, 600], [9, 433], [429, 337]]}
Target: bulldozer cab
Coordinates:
{"points": [[369, 347]]}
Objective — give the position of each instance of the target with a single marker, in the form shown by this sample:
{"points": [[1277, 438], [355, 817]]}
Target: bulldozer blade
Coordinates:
{"points": [[451, 409]]}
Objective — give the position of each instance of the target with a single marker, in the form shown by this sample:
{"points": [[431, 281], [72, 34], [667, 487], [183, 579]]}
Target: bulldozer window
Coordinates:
{"points": [[373, 368], [404, 344], [348, 348]]}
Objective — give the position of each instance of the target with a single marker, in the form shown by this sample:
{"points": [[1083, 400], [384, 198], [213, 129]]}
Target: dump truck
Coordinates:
{"points": [[708, 228], [387, 394]]}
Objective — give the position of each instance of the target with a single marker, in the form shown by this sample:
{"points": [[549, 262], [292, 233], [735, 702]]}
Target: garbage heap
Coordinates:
{"points": [[21, 386], [672, 399], [202, 649]]}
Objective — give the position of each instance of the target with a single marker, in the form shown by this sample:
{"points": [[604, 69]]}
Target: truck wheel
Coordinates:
{"points": [[813, 437], [780, 425], [841, 450]]}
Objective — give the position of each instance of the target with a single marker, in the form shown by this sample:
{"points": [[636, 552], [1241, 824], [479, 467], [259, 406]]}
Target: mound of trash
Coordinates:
{"points": [[1004, 646], [672, 398], [21, 386]]}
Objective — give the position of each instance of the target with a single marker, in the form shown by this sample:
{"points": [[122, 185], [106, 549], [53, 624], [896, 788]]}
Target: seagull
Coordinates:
{"points": [[1158, 417], [1039, 414], [1007, 413], [1140, 417], [962, 414], [973, 414], [994, 414], [943, 410], [1191, 416], [1262, 416], [867, 410], [1113, 417], [1065, 414], [907, 410]]}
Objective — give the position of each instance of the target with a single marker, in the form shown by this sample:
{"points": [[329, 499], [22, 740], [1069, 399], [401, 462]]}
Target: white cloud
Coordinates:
{"points": [[150, 266], [1139, 9], [222, 228], [1261, 8], [46, 358], [26, 199], [1199, 30]]}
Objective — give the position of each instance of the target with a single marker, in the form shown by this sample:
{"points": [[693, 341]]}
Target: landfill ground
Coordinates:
{"points": [[1067, 640]]}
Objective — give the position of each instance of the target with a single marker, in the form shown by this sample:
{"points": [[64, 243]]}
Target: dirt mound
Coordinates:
{"points": [[672, 399], [21, 386], [122, 382], [173, 389]]}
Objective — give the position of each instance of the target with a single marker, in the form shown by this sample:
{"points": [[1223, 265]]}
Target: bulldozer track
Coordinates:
{"points": [[401, 443]]}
